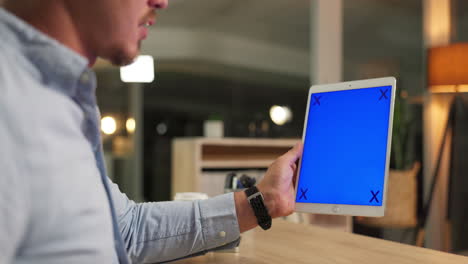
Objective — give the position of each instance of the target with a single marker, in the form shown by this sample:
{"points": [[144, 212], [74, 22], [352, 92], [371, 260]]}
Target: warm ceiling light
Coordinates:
{"points": [[280, 115], [448, 68], [108, 125], [130, 125]]}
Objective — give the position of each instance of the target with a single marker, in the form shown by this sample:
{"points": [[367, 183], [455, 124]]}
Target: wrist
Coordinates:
{"points": [[257, 203], [245, 214], [269, 199]]}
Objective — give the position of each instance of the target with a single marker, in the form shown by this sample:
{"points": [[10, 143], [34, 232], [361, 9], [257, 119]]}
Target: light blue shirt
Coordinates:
{"points": [[56, 203]]}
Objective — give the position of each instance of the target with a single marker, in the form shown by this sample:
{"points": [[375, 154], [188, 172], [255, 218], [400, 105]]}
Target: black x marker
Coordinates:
{"points": [[374, 197], [383, 94], [303, 194], [316, 100]]}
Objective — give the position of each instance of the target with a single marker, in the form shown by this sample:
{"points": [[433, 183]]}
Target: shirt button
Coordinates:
{"points": [[222, 234], [84, 78]]}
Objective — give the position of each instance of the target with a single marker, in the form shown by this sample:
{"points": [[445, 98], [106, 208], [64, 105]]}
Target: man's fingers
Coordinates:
{"points": [[294, 179], [294, 154]]}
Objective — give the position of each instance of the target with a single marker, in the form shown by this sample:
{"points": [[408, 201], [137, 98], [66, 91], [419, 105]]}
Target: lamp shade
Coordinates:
{"points": [[448, 66]]}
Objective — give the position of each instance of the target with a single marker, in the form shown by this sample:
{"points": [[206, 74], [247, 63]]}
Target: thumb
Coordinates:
{"points": [[294, 154]]}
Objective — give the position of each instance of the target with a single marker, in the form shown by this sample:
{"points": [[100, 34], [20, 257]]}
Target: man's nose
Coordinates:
{"points": [[157, 4]]}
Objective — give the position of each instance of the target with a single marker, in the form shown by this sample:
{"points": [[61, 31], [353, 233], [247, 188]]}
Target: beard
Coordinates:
{"points": [[121, 60], [122, 57]]}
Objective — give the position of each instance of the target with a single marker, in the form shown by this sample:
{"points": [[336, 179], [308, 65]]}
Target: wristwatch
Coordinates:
{"points": [[255, 198]]}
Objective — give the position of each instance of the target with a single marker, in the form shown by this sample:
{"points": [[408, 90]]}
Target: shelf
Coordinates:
{"points": [[220, 164], [239, 142], [198, 154]]}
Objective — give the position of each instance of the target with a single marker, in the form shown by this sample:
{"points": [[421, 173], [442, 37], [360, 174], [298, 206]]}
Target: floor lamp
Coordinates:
{"points": [[447, 73]]}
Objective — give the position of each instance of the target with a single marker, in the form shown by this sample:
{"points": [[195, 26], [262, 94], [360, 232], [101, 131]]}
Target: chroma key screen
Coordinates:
{"points": [[345, 147]]}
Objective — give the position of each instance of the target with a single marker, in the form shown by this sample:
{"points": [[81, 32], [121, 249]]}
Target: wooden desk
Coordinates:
{"points": [[297, 243]]}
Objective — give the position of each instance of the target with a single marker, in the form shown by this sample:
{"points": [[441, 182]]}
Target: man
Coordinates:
{"points": [[56, 203]]}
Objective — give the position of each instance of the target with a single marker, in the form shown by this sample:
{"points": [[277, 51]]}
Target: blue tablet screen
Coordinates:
{"points": [[345, 147]]}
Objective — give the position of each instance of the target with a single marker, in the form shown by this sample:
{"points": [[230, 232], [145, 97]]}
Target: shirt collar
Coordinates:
{"points": [[60, 67]]}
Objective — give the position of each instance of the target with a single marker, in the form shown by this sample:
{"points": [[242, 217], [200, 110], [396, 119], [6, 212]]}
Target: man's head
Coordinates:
{"points": [[114, 29], [110, 29]]}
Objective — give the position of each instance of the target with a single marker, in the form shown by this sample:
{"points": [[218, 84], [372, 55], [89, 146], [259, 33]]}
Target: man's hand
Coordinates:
{"points": [[278, 184], [277, 188]]}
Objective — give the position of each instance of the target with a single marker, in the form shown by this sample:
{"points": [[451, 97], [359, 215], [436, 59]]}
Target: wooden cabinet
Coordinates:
{"points": [[201, 164], [192, 156]]}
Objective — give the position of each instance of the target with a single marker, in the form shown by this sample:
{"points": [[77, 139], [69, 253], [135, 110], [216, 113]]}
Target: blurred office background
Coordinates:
{"points": [[232, 61]]}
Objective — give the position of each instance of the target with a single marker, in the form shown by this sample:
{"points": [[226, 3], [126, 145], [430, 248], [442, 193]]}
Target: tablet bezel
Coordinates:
{"points": [[344, 209]]}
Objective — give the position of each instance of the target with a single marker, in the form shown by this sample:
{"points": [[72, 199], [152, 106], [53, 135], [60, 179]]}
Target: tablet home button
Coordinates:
{"points": [[336, 209]]}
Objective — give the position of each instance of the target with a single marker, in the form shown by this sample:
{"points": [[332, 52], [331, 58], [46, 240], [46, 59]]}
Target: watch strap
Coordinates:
{"points": [[256, 201]]}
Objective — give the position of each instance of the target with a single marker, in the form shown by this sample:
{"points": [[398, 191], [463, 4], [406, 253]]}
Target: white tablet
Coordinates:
{"points": [[347, 138]]}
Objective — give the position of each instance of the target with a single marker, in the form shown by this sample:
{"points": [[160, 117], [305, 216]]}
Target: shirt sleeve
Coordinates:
{"points": [[166, 231]]}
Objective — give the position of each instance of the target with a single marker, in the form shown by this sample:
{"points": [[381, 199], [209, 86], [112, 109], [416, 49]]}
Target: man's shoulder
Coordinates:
{"points": [[26, 100], [17, 83], [16, 70]]}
